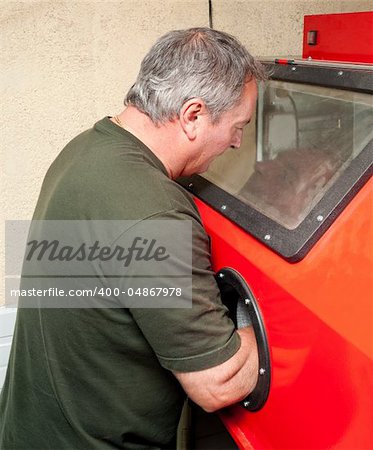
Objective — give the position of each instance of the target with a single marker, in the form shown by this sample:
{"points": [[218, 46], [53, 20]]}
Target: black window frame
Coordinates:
{"points": [[294, 244]]}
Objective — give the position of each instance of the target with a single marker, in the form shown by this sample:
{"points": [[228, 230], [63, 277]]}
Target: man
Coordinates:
{"points": [[109, 378]]}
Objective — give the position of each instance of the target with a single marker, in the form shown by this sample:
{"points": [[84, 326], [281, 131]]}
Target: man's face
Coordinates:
{"points": [[227, 132]]}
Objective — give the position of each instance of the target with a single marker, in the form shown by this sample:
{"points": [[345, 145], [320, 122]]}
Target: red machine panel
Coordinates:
{"points": [[339, 37], [318, 315]]}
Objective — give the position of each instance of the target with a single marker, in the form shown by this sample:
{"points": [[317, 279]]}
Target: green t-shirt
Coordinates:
{"points": [[101, 378]]}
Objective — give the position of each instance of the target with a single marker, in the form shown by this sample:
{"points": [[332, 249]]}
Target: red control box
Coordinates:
{"points": [[339, 37]]}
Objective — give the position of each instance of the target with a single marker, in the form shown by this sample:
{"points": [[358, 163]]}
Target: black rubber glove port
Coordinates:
{"points": [[234, 289]]}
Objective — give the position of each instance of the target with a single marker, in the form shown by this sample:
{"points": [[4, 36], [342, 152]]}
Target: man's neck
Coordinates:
{"points": [[163, 140]]}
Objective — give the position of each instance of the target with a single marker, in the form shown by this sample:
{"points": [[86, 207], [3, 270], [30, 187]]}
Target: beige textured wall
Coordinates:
{"points": [[275, 27], [66, 64]]}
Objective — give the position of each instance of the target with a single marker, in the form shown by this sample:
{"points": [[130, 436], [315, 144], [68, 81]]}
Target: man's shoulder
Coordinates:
{"points": [[177, 196], [159, 195], [105, 173]]}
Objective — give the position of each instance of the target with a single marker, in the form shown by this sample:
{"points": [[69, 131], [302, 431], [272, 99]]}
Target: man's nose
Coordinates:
{"points": [[236, 143]]}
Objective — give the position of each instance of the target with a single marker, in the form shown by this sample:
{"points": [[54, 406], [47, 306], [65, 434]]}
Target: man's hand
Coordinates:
{"points": [[227, 383]]}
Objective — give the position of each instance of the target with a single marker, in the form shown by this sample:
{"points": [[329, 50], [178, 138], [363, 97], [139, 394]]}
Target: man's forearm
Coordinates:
{"points": [[227, 383], [243, 379]]}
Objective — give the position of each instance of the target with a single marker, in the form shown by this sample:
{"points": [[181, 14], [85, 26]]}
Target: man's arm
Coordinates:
{"points": [[227, 383]]}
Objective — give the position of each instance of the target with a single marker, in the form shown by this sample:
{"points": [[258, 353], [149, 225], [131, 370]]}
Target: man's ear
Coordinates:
{"points": [[190, 116]]}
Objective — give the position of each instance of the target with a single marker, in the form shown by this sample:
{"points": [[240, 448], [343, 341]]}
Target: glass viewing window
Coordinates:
{"points": [[302, 140]]}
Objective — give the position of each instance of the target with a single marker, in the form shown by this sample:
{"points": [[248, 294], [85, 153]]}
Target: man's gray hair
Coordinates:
{"points": [[185, 64]]}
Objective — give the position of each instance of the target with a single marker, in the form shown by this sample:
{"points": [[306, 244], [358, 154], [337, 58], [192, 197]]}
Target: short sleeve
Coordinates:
{"points": [[198, 337]]}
